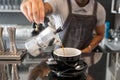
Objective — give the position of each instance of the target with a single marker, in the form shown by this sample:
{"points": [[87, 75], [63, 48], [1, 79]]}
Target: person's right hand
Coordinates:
{"points": [[33, 10]]}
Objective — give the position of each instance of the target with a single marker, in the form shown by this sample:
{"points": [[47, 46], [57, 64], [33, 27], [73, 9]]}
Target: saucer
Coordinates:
{"points": [[53, 76], [67, 71]]}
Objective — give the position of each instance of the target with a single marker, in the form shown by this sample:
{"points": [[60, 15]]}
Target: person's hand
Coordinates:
{"points": [[33, 10], [86, 50]]}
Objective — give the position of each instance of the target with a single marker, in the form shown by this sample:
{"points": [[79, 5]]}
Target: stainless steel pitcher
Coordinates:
{"points": [[40, 42]]}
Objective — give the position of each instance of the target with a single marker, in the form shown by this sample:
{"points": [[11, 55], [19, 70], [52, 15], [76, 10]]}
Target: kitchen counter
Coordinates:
{"points": [[110, 45], [28, 67], [32, 67]]}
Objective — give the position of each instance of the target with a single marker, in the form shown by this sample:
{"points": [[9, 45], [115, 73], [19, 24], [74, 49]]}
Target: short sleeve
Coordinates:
{"points": [[101, 15], [53, 4]]}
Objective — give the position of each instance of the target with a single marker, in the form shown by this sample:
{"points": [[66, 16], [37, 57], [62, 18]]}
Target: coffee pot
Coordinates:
{"points": [[38, 43]]}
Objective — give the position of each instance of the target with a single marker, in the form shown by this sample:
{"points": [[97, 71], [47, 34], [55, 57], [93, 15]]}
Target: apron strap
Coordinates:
{"points": [[69, 6], [95, 8]]}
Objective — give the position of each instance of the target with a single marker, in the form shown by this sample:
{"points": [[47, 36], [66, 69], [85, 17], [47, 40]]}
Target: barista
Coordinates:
{"points": [[79, 19]]}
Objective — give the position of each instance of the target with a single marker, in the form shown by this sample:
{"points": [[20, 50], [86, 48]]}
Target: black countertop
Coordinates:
{"points": [[31, 67]]}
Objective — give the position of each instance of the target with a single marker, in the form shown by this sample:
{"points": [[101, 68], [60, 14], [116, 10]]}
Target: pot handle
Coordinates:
{"points": [[53, 56]]}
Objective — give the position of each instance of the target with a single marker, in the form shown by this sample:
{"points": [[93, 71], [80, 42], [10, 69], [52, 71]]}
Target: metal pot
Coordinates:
{"points": [[67, 55]]}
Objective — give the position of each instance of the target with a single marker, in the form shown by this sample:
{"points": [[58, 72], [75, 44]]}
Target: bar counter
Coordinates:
{"points": [[37, 68], [28, 68]]}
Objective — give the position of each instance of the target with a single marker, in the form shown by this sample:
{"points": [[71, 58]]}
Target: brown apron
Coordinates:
{"points": [[78, 29]]}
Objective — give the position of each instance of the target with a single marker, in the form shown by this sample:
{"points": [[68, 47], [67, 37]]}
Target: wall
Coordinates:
{"points": [[117, 15], [109, 16], [13, 18], [117, 20], [23, 28]]}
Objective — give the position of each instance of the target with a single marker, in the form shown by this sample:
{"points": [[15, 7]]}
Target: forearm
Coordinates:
{"points": [[98, 36], [95, 42], [96, 39]]}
